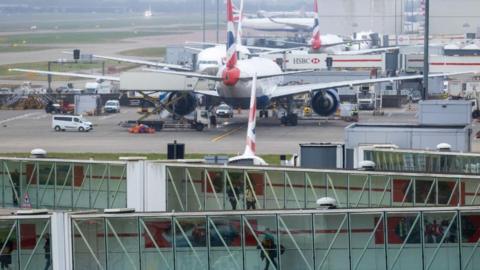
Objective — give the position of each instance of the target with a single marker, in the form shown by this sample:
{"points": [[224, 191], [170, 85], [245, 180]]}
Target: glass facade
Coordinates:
{"points": [[208, 188], [61, 184], [386, 239], [25, 243], [424, 161]]}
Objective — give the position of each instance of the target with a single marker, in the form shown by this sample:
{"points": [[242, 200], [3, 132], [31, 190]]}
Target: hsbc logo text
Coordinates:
{"points": [[301, 61]]}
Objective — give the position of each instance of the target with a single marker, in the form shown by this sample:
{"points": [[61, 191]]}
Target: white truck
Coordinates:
{"points": [[98, 88]]}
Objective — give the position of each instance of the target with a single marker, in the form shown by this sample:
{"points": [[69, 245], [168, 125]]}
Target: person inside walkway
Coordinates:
{"points": [[250, 199], [269, 252], [15, 184], [233, 196], [48, 256], [6, 255]]}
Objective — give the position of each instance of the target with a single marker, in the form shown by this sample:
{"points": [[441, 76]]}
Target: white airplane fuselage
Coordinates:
{"points": [[210, 59], [238, 95]]}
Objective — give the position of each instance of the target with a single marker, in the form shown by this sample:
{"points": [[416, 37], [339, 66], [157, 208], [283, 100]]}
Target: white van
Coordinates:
{"points": [[69, 122]]}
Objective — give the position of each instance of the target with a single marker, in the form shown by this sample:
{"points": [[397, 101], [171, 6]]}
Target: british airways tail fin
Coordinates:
{"points": [[249, 156]]}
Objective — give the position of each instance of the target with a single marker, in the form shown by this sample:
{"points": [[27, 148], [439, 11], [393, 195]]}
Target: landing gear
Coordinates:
{"points": [[290, 120]]}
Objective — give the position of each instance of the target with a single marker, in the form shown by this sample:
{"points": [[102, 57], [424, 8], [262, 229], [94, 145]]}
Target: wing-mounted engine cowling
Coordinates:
{"points": [[325, 102], [181, 103]]}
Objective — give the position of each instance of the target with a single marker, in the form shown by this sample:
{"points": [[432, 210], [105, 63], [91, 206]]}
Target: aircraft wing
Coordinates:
{"points": [[210, 93], [218, 79], [283, 91], [143, 62], [68, 74], [186, 74]]}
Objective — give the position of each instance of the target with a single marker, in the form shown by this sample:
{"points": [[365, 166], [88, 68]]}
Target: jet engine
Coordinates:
{"points": [[325, 102], [181, 103]]}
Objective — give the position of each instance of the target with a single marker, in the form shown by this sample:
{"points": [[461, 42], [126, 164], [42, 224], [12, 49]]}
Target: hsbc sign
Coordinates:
{"points": [[298, 62]]}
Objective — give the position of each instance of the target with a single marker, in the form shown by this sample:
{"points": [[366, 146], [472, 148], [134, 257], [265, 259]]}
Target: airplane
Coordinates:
{"points": [[249, 157], [233, 84]]}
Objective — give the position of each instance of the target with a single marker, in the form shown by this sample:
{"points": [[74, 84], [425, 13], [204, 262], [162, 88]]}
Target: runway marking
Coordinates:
{"points": [[18, 117], [228, 133]]}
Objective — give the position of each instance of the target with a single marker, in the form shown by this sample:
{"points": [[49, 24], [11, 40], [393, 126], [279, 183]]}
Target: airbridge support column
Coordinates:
{"points": [[146, 185], [135, 183]]}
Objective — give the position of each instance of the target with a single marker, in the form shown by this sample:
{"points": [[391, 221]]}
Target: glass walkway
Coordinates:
{"points": [[62, 184], [424, 161], [205, 188], [355, 239]]}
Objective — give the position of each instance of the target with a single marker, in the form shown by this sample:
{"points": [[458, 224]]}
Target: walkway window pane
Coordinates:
{"points": [[470, 190], [441, 241], [67, 175], [35, 247], [123, 243], [296, 242], [337, 187], [235, 189], [195, 187], [176, 196], [9, 244], [191, 243], [470, 239], [316, 187], [216, 197], [367, 241], [89, 243], [331, 242], [261, 242], [156, 243], [359, 187], [295, 190], [274, 190], [448, 192], [118, 186], [381, 191], [254, 190], [402, 190], [404, 241], [46, 184], [12, 176], [225, 243]]}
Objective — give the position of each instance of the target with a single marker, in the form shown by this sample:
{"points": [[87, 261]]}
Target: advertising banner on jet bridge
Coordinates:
{"points": [[153, 81], [305, 61]]}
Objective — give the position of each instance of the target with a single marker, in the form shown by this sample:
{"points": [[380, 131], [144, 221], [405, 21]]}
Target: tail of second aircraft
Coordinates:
{"points": [[316, 41], [231, 74]]}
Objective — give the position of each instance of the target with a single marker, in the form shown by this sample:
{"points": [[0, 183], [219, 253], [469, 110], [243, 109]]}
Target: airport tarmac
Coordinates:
{"points": [[22, 131]]}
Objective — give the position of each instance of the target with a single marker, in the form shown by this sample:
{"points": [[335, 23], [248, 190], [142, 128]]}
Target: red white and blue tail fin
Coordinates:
{"points": [[249, 157], [231, 43], [250, 147], [316, 41], [238, 18]]}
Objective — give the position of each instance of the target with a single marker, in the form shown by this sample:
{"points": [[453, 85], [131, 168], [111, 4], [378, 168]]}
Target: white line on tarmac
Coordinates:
{"points": [[40, 117], [107, 116], [18, 117]]}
